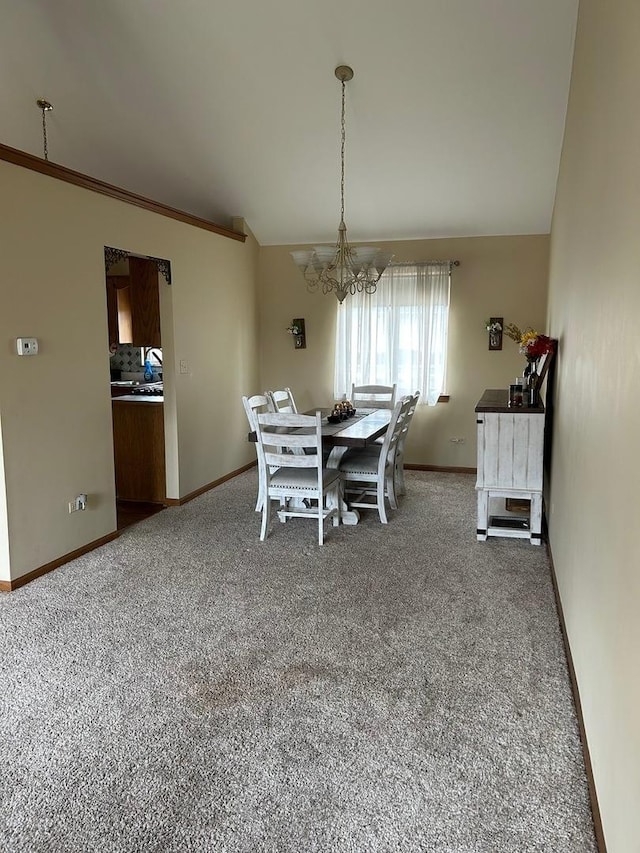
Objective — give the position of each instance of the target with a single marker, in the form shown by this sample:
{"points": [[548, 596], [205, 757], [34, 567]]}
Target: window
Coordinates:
{"points": [[153, 354], [397, 334]]}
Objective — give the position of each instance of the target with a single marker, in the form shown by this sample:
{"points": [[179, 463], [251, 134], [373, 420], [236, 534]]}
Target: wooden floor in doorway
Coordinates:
{"points": [[131, 512]]}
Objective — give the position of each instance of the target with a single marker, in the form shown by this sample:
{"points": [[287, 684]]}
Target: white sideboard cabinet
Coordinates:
{"points": [[510, 465]]}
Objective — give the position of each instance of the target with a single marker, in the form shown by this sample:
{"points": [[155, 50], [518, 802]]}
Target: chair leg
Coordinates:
{"points": [[284, 504], [266, 517], [391, 489], [382, 510], [398, 473], [260, 497]]}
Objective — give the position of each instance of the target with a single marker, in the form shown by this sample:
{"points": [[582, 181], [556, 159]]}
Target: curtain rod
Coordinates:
{"points": [[417, 263]]}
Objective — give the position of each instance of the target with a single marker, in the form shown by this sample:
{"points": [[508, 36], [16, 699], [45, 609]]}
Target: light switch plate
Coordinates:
{"points": [[27, 346]]}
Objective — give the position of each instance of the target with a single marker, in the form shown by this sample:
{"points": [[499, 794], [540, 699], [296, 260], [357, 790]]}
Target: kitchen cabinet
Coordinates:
{"points": [[144, 294], [510, 465], [133, 305], [138, 446], [119, 309]]}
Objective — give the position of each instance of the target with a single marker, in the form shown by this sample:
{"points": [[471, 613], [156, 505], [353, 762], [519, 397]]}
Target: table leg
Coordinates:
{"points": [[347, 516]]}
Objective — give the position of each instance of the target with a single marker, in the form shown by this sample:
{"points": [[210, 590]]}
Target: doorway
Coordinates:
{"points": [[137, 387]]}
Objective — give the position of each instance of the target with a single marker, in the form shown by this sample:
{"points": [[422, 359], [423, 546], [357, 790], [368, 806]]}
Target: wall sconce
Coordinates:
{"points": [[494, 326], [299, 334]]}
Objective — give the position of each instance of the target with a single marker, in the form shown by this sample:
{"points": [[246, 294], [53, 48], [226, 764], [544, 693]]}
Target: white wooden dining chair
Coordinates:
{"points": [[297, 480], [374, 396], [368, 473], [398, 465], [253, 405], [282, 401]]}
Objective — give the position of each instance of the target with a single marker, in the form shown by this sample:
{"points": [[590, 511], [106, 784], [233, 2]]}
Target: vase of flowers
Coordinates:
{"points": [[533, 346]]}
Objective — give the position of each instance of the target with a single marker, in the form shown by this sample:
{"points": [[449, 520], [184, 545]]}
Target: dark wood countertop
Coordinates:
{"points": [[497, 400]]}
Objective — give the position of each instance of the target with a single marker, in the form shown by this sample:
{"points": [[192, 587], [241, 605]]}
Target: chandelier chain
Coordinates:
{"points": [[343, 137], [341, 269], [44, 135], [45, 106]]}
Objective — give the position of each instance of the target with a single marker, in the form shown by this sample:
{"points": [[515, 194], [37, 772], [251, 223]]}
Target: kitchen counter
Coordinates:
{"points": [[138, 447], [138, 398], [136, 392]]}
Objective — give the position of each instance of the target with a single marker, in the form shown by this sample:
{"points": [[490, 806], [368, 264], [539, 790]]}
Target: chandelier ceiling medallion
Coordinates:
{"points": [[341, 269]]}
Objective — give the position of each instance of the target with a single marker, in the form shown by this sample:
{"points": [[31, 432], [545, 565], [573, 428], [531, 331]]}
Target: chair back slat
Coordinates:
{"points": [[289, 439], [379, 396], [288, 460], [287, 419]]}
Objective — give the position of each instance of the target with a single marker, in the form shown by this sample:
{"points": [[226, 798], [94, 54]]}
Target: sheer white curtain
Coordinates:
{"points": [[397, 334]]}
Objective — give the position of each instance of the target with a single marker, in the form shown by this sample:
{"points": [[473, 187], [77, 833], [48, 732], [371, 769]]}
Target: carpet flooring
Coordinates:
{"points": [[189, 688]]}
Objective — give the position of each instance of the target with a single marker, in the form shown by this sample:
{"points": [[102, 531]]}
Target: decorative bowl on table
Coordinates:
{"points": [[343, 410], [334, 419]]}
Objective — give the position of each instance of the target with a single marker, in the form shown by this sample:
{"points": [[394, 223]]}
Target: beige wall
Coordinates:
{"points": [[594, 306], [498, 276], [55, 407]]}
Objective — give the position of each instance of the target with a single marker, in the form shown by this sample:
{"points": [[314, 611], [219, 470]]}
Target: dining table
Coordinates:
{"points": [[360, 430]]}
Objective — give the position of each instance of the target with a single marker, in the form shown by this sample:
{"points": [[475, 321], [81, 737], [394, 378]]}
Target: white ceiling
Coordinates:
{"points": [[229, 108]]}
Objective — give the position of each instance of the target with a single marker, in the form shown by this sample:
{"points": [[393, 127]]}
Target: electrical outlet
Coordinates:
{"points": [[78, 504], [457, 440], [184, 367], [27, 346]]}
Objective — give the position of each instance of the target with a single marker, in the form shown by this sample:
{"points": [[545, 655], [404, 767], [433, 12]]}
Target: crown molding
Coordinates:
{"points": [[61, 173]]}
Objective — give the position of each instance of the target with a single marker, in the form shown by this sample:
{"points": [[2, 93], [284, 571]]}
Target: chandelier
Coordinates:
{"points": [[340, 268]]}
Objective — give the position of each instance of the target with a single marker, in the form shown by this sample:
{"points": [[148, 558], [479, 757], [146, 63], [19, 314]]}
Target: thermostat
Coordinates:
{"points": [[27, 346]]}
